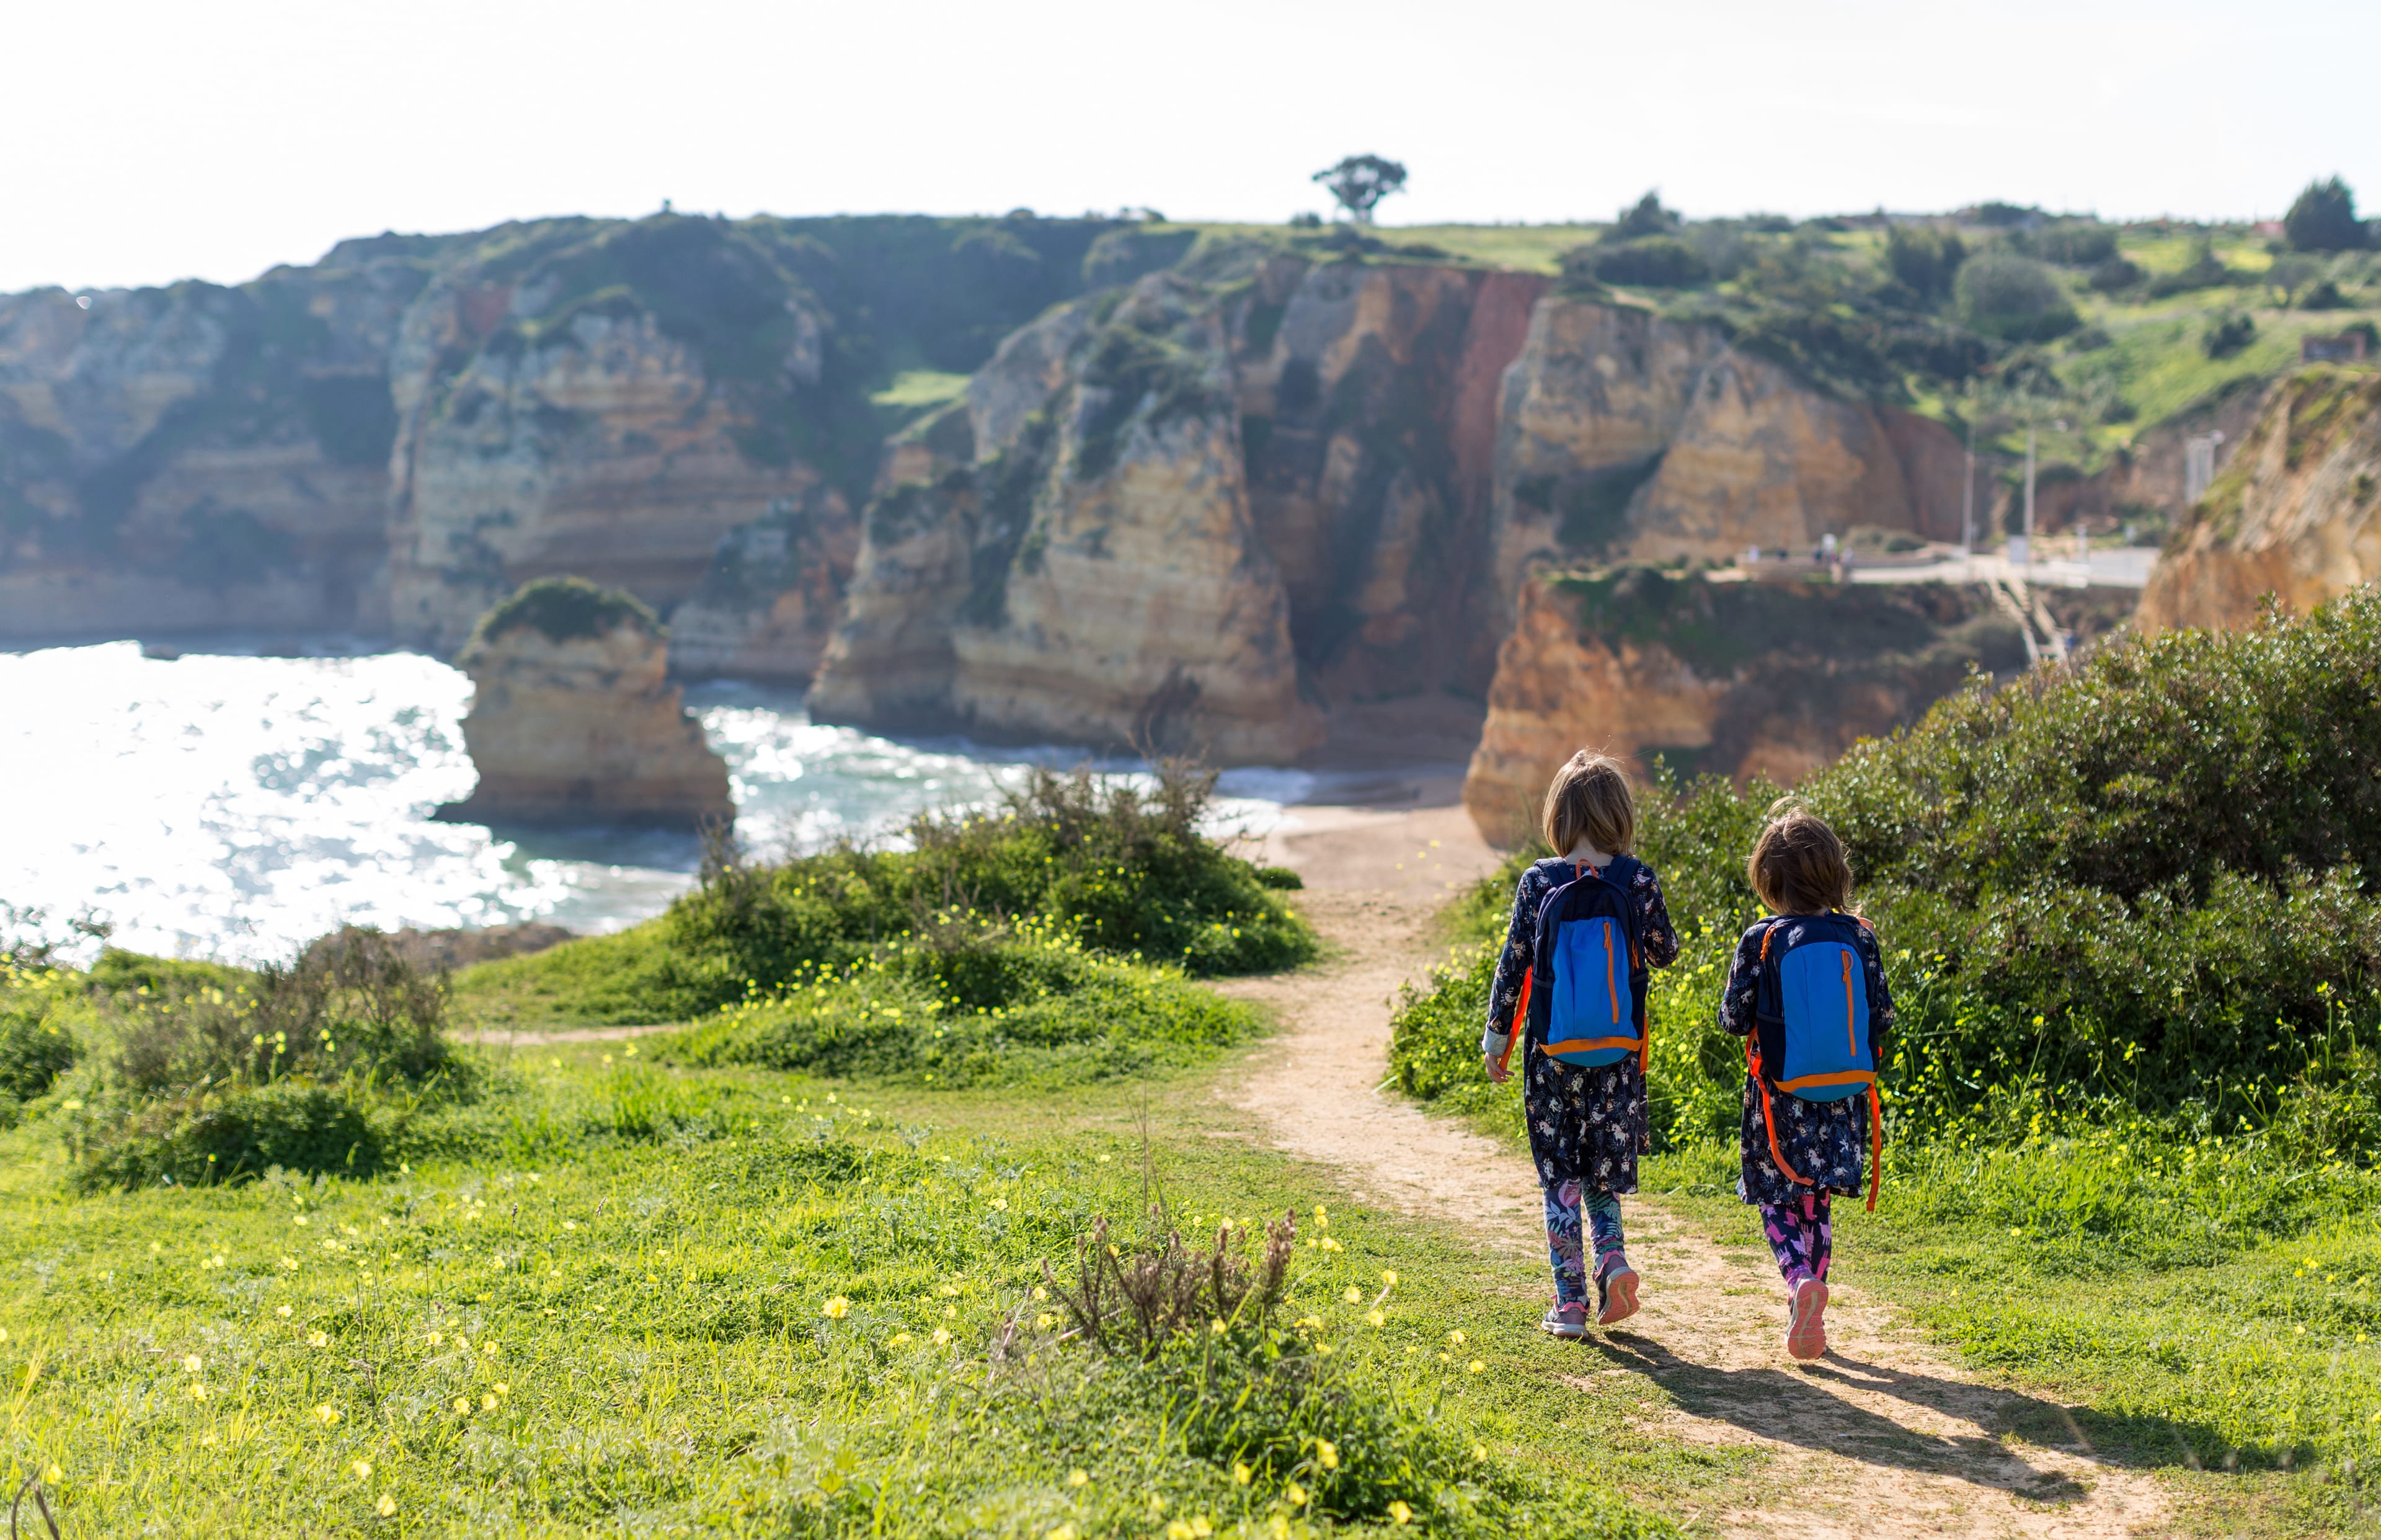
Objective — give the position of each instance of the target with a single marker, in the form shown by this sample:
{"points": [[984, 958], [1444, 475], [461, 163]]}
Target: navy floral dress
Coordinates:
{"points": [[1826, 1142], [1587, 1126]]}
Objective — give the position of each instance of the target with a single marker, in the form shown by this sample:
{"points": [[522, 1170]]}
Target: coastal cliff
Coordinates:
{"points": [[2296, 512], [203, 456], [1741, 680], [1233, 492], [557, 416], [573, 719], [1624, 435]]}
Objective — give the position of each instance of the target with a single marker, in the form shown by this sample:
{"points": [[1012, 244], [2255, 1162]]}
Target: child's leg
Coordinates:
{"points": [[1603, 1225], [1791, 1239], [1821, 1230], [1564, 1248]]}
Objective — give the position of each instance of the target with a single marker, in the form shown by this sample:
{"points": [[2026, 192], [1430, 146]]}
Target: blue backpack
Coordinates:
{"points": [[1811, 1030], [1585, 994]]}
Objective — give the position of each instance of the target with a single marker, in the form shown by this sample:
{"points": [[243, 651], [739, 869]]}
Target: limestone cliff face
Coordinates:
{"points": [[547, 427], [1739, 678], [771, 597], [574, 720], [1368, 398], [1625, 435], [200, 456], [2296, 513], [1073, 558], [1105, 541]]}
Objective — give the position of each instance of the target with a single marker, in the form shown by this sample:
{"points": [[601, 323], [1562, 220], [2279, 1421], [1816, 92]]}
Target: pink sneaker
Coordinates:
{"points": [[1619, 1290], [1806, 1329], [1567, 1321]]}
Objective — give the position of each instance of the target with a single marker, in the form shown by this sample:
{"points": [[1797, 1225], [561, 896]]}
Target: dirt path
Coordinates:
{"points": [[1883, 1437]]}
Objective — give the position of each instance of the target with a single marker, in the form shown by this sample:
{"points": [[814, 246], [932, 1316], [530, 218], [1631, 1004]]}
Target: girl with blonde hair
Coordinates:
{"points": [[1569, 991]]}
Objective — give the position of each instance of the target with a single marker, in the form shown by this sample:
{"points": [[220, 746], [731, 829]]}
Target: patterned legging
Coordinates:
{"points": [[1565, 1201], [1800, 1236]]}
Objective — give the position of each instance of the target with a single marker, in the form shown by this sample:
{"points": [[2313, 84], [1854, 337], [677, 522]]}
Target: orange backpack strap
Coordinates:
{"points": [[1875, 1144], [1520, 1019], [1768, 1123]]}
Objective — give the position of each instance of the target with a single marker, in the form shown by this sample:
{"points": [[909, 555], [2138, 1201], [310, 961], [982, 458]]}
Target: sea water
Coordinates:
{"points": [[233, 806]]}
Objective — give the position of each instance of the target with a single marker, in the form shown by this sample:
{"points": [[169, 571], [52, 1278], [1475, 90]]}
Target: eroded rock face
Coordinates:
{"points": [[541, 434], [201, 456], [771, 596], [1739, 678], [1083, 567], [579, 723], [1142, 491], [1623, 435], [2296, 512]]}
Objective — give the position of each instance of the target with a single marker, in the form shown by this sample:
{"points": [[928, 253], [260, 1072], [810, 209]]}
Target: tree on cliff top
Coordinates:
{"points": [[1645, 217], [2324, 219], [1361, 181]]}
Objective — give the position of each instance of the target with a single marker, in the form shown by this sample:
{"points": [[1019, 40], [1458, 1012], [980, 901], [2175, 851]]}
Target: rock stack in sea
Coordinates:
{"points": [[575, 721]]}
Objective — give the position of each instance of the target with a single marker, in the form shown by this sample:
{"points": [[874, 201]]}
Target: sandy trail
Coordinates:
{"points": [[1885, 1437]]}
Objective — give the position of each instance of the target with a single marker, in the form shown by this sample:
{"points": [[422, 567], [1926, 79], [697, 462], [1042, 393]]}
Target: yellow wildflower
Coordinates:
{"points": [[1399, 1513], [1326, 1454], [836, 1308]]}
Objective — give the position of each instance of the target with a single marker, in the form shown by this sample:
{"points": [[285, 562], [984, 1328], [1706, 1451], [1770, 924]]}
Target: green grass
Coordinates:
{"points": [[915, 388], [594, 981], [738, 1327]]}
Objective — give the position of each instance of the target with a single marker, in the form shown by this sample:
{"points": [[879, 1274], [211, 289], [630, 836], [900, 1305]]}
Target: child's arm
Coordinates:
{"points": [[1656, 935], [1513, 965], [1738, 996]]}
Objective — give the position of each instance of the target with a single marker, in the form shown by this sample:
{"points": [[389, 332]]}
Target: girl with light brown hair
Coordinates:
{"points": [[1806, 990], [1569, 990]]}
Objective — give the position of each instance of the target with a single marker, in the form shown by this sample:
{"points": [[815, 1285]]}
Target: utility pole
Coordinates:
{"points": [[2028, 496], [1968, 503]]}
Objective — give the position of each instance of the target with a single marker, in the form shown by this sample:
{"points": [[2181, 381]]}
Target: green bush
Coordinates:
{"points": [[2079, 243], [2323, 218], [1654, 261], [211, 1073], [2228, 334], [2134, 883], [565, 610], [966, 1007], [1924, 259], [2013, 297], [1120, 869], [37, 1045]]}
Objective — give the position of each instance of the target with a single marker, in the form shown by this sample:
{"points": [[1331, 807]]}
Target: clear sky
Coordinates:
{"points": [[145, 140]]}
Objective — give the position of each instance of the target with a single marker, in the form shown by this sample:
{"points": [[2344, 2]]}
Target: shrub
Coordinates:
{"points": [[1119, 867], [2228, 334], [2013, 297], [1655, 262], [36, 1044], [2114, 273], [565, 610], [216, 1073], [1924, 259], [2076, 244], [966, 1007]]}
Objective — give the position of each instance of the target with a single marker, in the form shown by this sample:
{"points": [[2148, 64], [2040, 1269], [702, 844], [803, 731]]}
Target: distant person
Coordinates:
{"points": [[1806, 991], [1570, 991]]}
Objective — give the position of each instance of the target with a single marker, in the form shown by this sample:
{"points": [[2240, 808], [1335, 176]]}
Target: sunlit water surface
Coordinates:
{"points": [[233, 806]]}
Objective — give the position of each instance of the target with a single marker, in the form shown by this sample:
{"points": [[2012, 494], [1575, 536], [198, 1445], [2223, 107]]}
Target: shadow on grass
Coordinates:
{"points": [[1806, 1409]]}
